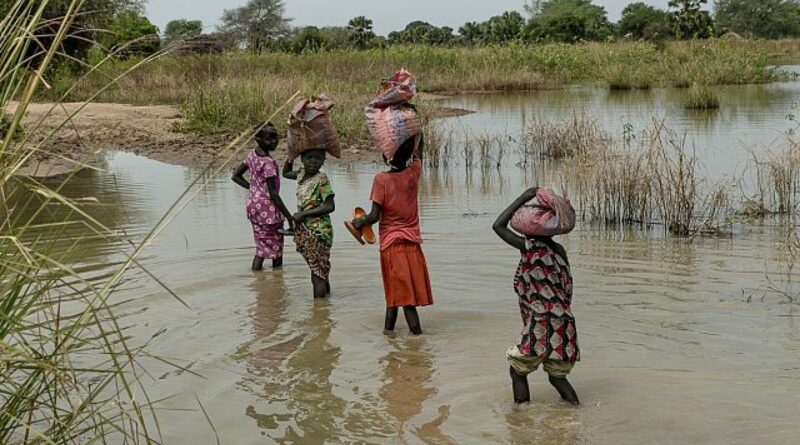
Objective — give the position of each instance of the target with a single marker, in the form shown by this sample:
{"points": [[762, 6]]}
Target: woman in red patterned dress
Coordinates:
{"points": [[543, 283]]}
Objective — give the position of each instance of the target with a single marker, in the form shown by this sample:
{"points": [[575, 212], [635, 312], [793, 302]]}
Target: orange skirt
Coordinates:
{"points": [[405, 275]]}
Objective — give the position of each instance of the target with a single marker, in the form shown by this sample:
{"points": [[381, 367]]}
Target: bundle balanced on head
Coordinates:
{"points": [[394, 125], [543, 283], [311, 137]]}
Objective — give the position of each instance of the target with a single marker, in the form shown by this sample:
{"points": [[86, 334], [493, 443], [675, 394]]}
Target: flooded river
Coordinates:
{"points": [[672, 351]]}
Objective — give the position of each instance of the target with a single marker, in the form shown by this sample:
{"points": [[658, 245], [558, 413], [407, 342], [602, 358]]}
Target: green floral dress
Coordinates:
{"points": [[312, 193]]}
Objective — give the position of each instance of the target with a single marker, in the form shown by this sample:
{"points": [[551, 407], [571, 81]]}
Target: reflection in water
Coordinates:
{"points": [[293, 369], [407, 383], [267, 353], [537, 425], [58, 229]]}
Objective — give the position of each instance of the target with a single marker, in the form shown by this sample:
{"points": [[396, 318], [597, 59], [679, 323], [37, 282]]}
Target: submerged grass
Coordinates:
{"points": [[564, 139], [776, 178], [701, 98], [229, 92], [651, 178]]}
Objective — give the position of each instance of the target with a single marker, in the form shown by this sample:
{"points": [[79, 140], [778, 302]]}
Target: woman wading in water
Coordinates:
{"points": [[543, 283], [265, 208], [313, 232], [395, 208]]}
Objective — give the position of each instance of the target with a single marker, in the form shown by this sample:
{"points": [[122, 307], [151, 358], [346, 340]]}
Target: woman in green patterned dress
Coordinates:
{"points": [[313, 233]]}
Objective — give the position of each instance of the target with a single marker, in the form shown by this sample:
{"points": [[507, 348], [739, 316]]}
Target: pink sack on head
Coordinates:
{"points": [[390, 118], [548, 214], [391, 126], [396, 90]]}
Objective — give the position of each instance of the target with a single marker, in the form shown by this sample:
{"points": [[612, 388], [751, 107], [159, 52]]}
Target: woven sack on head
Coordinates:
{"points": [[310, 127], [398, 89], [547, 214], [390, 118], [391, 126]]}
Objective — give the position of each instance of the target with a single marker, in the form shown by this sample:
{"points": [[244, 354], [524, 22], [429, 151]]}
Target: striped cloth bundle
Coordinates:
{"points": [[390, 118]]}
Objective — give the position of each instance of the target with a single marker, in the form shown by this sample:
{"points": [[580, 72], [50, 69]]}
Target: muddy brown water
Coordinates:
{"points": [[672, 351]]}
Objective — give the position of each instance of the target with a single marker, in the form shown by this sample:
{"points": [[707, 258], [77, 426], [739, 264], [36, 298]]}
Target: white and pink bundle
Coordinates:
{"points": [[547, 214], [390, 118]]}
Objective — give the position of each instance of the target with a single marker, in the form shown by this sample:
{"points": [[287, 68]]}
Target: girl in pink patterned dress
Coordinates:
{"points": [[543, 283], [265, 208]]}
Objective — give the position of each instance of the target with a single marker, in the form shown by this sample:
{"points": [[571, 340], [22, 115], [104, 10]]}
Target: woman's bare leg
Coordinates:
{"points": [[320, 290], [412, 318], [391, 319], [519, 385], [565, 389]]}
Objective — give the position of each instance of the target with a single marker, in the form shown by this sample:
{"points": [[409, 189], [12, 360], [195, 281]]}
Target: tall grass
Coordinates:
{"points": [[652, 178], [568, 138], [228, 92], [776, 179], [68, 370]]}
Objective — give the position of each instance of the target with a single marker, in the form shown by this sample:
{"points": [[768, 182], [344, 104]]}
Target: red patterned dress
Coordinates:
{"points": [[544, 285]]}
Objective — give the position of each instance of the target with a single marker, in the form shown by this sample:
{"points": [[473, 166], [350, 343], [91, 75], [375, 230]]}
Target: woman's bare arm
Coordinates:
{"points": [[501, 224], [371, 218], [289, 172], [238, 176], [276, 198]]}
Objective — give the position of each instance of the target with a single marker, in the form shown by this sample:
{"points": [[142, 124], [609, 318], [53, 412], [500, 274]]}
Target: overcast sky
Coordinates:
{"points": [[387, 16]]}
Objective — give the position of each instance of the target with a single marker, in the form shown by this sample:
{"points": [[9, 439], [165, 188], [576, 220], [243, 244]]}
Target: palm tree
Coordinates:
{"points": [[360, 29]]}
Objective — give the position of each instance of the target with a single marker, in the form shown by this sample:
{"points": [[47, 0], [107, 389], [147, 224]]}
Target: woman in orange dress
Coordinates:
{"points": [[395, 208]]}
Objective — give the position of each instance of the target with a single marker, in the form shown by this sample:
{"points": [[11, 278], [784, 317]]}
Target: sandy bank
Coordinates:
{"points": [[143, 130]]}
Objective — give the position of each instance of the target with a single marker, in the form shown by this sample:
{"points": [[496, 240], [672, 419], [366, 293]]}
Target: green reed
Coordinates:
{"points": [[69, 372]]}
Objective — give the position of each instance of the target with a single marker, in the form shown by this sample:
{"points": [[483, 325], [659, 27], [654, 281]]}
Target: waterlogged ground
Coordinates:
{"points": [[672, 350], [751, 117]]}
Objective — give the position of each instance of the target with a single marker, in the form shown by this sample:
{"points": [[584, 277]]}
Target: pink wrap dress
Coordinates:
{"points": [[262, 212]]}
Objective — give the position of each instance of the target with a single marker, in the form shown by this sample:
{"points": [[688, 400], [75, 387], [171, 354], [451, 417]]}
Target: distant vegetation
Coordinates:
{"points": [[261, 26], [222, 93], [256, 57]]}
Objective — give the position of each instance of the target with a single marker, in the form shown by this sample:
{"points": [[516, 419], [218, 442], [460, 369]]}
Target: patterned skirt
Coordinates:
{"points": [[269, 243], [316, 253], [405, 275]]}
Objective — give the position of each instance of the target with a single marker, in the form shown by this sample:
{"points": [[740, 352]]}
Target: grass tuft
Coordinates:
{"points": [[701, 98]]}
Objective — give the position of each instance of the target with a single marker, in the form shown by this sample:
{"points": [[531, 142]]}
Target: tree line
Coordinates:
{"points": [[262, 26]]}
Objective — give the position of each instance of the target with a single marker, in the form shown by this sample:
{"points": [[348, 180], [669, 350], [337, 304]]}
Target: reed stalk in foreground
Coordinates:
{"points": [[68, 372]]}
